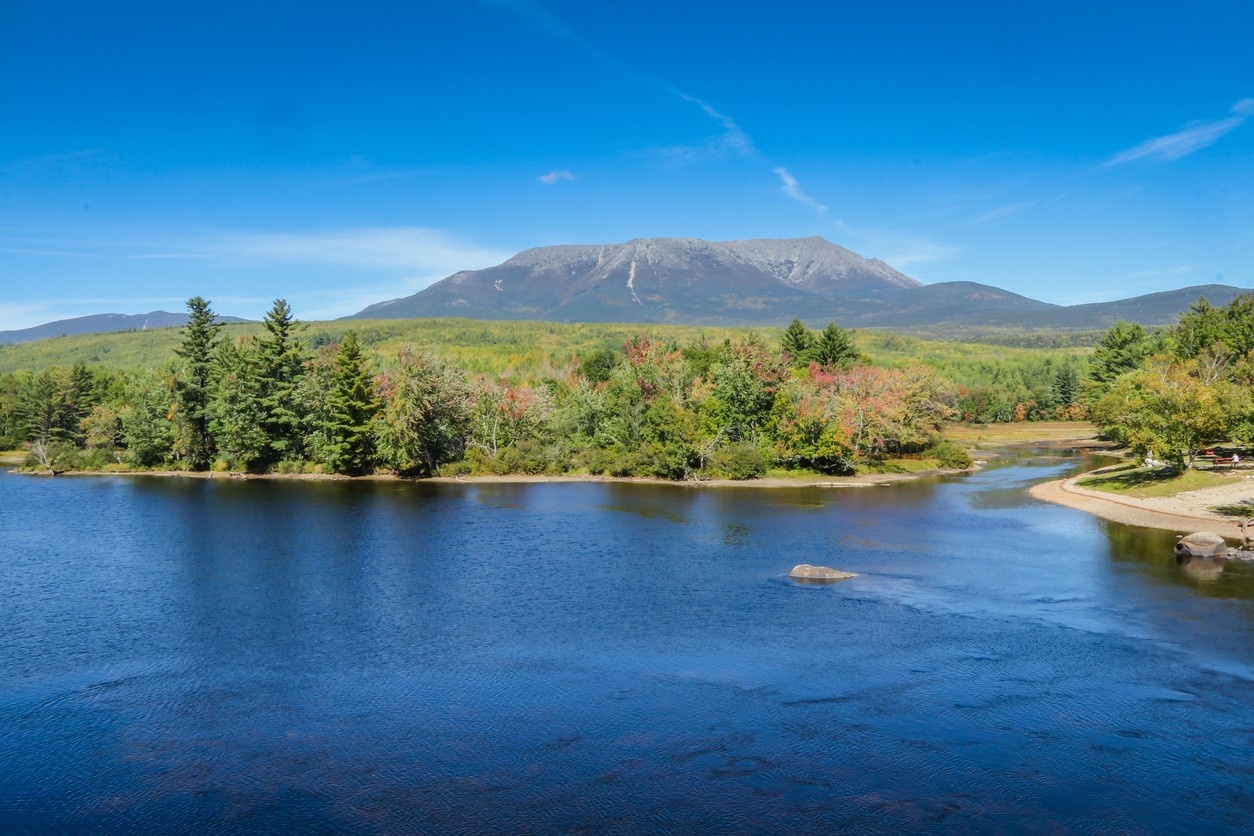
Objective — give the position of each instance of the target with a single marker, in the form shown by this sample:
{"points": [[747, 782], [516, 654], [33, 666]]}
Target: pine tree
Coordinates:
{"points": [[1066, 387], [1120, 350], [797, 342], [237, 418], [351, 405], [281, 361], [835, 348], [40, 407], [200, 339]]}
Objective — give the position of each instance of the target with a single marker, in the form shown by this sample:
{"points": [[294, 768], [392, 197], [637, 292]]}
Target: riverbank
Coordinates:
{"points": [[1185, 512], [816, 481], [981, 441]]}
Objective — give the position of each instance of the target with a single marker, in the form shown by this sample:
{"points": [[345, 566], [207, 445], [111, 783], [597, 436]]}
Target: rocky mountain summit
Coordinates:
{"points": [[755, 282], [654, 280]]}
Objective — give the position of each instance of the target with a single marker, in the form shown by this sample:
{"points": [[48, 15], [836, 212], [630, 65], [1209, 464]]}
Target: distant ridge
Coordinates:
{"points": [[755, 282], [101, 324]]}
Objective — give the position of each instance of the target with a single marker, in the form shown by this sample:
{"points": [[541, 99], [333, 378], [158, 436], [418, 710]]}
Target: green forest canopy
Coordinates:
{"points": [[676, 401]]}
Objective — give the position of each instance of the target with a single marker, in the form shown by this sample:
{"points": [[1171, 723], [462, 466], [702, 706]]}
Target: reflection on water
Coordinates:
{"points": [[227, 655]]}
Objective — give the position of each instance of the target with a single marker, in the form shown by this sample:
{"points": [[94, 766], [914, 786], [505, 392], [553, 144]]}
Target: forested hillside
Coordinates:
{"points": [[421, 397]]}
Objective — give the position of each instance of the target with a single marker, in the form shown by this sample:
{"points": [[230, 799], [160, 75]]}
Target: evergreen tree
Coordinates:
{"points": [[40, 407], [834, 347], [1066, 387], [351, 405], [281, 361], [1121, 350], [80, 391], [1200, 327], [797, 342], [195, 382], [236, 407]]}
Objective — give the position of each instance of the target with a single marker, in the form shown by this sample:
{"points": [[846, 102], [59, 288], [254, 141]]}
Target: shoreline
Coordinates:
{"points": [[1184, 513], [817, 481], [1050, 435]]}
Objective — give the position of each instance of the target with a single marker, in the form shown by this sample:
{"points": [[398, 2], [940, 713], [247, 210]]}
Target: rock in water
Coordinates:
{"points": [[822, 574], [1202, 544]]}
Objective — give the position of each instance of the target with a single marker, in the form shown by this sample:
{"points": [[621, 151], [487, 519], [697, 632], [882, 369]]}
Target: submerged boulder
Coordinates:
{"points": [[1202, 544], [820, 574]]}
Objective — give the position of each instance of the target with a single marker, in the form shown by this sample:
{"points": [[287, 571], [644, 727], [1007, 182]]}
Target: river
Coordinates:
{"points": [[244, 656]]}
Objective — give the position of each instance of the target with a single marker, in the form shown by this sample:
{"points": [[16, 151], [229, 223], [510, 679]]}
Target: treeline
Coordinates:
{"points": [[1168, 393], [277, 403]]}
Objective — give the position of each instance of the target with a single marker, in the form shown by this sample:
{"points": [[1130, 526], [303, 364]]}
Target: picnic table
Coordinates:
{"points": [[1219, 457]]}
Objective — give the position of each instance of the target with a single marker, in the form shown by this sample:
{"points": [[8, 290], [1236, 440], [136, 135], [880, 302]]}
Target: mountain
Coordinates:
{"points": [[654, 280], [755, 282], [100, 324], [1161, 308]]}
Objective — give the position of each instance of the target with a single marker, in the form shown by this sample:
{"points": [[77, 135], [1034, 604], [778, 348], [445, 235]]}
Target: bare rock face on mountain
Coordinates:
{"points": [[655, 280], [755, 282]]}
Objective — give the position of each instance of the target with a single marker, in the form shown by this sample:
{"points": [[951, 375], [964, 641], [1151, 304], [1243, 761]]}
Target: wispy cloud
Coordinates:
{"points": [[901, 248], [1192, 137], [792, 188], [919, 249], [555, 176], [400, 248], [1005, 211], [1164, 271], [732, 139], [364, 265]]}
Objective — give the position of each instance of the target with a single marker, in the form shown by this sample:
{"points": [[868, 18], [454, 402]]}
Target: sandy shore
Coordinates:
{"points": [[1183, 513]]}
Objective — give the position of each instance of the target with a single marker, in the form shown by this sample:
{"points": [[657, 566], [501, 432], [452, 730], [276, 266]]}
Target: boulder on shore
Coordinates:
{"points": [[1202, 544], [806, 572]]}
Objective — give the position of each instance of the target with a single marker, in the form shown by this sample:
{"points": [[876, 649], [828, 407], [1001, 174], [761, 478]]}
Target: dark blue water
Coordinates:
{"points": [[370, 657]]}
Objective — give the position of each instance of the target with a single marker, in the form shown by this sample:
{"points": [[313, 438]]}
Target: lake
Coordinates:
{"points": [[243, 656]]}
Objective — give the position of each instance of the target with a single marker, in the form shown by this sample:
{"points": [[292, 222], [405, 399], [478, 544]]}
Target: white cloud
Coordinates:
{"points": [[1193, 137], [733, 139], [792, 188], [554, 176], [920, 250], [388, 248]]}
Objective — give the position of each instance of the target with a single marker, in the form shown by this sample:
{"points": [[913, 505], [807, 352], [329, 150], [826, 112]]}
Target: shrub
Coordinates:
{"points": [[461, 467], [738, 461], [527, 456], [949, 456]]}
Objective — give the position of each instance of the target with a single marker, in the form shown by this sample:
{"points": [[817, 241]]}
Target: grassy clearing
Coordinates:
{"points": [[1022, 432], [1132, 480], [12, 457]]}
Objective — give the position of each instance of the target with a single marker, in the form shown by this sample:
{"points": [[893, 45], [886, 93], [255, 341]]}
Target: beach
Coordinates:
{"points": [[1185, 512]]}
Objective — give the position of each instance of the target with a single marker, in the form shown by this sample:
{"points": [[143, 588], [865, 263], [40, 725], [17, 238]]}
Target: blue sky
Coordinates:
{"points": [[339, 154]]}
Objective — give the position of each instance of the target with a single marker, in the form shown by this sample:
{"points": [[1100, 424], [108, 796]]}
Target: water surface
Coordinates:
{"points": [[386, 657]]}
